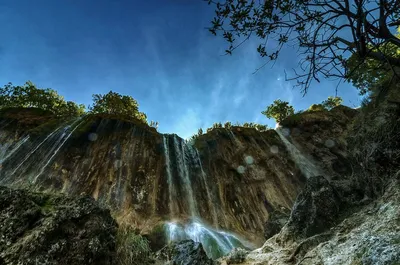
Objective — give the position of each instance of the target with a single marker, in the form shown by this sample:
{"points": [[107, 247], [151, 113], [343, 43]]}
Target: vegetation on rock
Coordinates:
{"points": [[117, 104], [278, 110], [29, 96]]}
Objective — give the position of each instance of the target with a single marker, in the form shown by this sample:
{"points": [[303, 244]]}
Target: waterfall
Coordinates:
{"points": [[196, 156], [187, 160], [215, 243], [65, 136], [184, 175], [305, 165], [33, 162], [171, 188], [5, 153]]}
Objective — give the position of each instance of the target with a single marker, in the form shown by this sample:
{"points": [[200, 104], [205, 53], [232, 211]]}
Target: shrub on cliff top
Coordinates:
{"points": [[278, 110], [29, 96], [117, 104]]}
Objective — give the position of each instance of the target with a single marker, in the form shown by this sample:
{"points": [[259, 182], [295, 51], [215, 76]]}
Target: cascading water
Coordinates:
{"points": [[33, 162], [5, 153], [188, 164], [215, 243], [195, 154], [184, 175], [305, 165], [171, 188]]}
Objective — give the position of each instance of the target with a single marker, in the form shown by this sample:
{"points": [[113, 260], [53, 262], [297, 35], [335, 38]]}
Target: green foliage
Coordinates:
{"points": [[29, 96], [368, 74], [332, 102], [228, 125], [132, 249], [279, 110], [116, 104], [316, 107]]}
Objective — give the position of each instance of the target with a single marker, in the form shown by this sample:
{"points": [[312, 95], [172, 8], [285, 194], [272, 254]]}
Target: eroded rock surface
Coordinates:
{"points": [[186, 252], [53, 229]]}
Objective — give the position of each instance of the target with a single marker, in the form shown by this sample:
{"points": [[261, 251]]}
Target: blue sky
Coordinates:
{"points": [[156, 51]]}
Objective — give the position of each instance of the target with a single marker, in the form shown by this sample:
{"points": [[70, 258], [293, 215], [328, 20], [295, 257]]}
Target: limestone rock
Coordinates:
{"points": [[186, 252], [47, 229], [315, 210], [276, 220]]}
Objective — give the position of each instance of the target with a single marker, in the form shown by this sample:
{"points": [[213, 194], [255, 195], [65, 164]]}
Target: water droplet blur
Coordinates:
{"points": [[241, 169], [329, 143], [249, 160], [285, 131], [92, 137], [274, 149]]}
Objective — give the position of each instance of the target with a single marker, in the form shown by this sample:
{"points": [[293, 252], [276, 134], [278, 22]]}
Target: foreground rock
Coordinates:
{"points": [[186, 252], [369, 235], [47, 229]]}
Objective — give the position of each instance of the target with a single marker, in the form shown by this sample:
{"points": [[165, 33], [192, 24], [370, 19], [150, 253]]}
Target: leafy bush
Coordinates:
{"points": [[279, 110], [116, 104], [132, 248], [29, 96]]}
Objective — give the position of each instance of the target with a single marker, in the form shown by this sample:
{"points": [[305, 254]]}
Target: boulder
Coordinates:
{"points": [[186, 252], [276, 220], [315, 210], [49, 229]]}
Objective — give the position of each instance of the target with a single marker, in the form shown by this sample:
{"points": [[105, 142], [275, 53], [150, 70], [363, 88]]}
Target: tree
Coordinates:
{"points": [[327, 32], [116, 104], [369, 74], [332, 102], [200, 132], [279, 110], [29, 96]]}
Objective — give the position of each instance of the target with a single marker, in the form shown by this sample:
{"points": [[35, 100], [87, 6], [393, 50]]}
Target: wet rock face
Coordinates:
{"points": [[186, 252], [230, 179], [315, 210], [47, 229], [321, 135]]}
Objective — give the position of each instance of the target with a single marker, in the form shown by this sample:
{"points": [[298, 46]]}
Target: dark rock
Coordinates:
{"points": [[237, 255], [315, 210], [276, 220], [186, 252], [48, 229]]}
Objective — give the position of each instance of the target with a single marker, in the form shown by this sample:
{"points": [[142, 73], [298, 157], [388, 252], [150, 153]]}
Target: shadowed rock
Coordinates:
{"points": [[47, 229], [186, 252]]}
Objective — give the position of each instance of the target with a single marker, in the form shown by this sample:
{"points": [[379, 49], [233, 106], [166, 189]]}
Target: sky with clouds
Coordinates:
{"points": [[157, 51]]}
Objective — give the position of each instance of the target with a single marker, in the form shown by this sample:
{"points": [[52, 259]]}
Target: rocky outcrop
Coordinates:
{"points": [[230, 179], [53, 229], [276, 220], [321, 135], [316, 209], [364, 234], [186, 252]]}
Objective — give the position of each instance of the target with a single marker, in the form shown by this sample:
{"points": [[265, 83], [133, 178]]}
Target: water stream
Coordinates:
{"points": [[306, 167]]}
